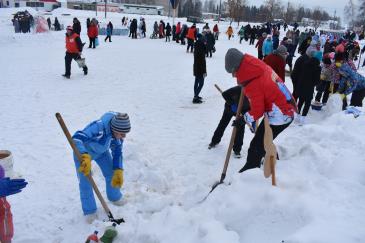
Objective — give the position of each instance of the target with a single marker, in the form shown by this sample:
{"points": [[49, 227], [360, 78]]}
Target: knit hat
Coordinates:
{"points": [[69, 28], [233, 60], [120, 123], [281, 51]]}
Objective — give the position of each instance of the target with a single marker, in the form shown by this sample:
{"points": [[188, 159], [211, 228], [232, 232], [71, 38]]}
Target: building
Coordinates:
{"points": [[47, 5], [141, 9]]}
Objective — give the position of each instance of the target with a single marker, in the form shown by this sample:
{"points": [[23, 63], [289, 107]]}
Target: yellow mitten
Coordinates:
{"points": [[117, 180], [85, 165]]}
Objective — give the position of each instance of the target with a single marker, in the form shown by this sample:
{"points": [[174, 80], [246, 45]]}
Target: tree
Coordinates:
{"points": [[289, 13], [317, 18], [350, 13], [274, 9], [236, 9], [361, 18]]}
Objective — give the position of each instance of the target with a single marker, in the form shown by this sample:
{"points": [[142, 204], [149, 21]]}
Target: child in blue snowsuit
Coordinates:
{"points": [[102, 141]]}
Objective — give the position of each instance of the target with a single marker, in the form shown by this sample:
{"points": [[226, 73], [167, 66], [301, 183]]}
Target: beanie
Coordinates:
{"points": [[233, 60], [281, 51], [120, 123]]}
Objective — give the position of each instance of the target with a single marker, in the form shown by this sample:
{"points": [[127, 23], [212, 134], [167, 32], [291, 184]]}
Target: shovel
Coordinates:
{"points": [[271, 153], [89, 177]]}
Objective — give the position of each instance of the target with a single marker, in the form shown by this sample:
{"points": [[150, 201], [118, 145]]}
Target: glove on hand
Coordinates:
{"points": [[85, 165], [117, 180], [11, 186], [251, 123], [239, 122], [234, 108]]}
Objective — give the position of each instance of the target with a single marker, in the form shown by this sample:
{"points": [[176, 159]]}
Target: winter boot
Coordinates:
{"points": [[90, 218], [85, 69], [119, 202], [66, 76], [302, 120], [212, 145], [196, 100], [236, 154]]}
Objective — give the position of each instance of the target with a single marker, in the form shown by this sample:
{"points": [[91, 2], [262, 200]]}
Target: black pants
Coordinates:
{"points": [[306, 101], [134, 34], [91, 42], [223, 123], [167, 38], [198, 85], [108, 37], [252, 41], [259, 54], [241, 38], [323, 88], [190, 44], [68, 59], [357, 97], [208, 53], [256, 150]]}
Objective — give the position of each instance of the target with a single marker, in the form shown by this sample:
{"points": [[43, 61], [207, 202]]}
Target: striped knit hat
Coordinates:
{"points": [[120, 123]]}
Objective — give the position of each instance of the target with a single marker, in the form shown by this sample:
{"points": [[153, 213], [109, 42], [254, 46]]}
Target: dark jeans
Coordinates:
{"points": [[259, 54], [223, 123], [357, 97], [323, 87], [252, 41], [198, 85], [190, 44], [108, 37], [91, 42], [208, 53], [256, 150], [68, 59], [167, 38]]}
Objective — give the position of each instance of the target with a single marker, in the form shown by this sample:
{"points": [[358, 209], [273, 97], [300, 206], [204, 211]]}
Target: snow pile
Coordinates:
{"points": [[168, 169]]}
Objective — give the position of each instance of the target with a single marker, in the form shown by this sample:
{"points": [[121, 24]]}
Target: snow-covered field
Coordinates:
{"points": [[320, 197]]}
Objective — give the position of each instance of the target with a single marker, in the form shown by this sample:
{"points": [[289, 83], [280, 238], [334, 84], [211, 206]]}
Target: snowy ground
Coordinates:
{"points": [[320, 195]]}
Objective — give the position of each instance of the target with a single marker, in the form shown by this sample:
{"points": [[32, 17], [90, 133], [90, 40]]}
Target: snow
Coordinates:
{"points": [[168, 169]]}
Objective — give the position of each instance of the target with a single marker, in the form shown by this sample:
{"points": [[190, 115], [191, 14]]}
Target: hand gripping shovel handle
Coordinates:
{"points": [[89, 177]]}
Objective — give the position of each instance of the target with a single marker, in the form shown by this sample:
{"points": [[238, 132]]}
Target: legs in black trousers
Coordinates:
{"points": [[108, 37], [357, 97], [68, 60], [256, 150], [223, 123], [198, 85], [324, 88], [306, 103]]}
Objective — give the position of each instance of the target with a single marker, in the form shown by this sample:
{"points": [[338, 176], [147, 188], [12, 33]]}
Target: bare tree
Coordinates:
{"points": [[317, 18], [275, 9], [360, 18], [289, 13], [236, 10], [350, 13]]}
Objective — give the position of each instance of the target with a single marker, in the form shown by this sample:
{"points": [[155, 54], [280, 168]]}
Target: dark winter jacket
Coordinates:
{"points": [[199, 59], [304, 45], [309, 78], [168, 29], [77, 27], [210, 40], [232, 97]]}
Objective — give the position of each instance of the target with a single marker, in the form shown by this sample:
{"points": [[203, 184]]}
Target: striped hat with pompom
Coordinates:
{"points": [[120, 123]]}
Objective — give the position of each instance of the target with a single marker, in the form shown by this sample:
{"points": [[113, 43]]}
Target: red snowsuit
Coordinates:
{"points": [[6, 222], [265, 91]]}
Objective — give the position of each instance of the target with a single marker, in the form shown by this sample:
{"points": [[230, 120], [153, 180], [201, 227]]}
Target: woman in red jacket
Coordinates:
{"points": [[277, 61], [92, 33], [267, 94]]}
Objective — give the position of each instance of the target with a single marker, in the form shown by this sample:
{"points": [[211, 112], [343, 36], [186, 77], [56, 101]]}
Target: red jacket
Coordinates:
{"points": [[92, 32], [277, 63], [71, 43], [215, 28], [265, 91], [191, 33]]}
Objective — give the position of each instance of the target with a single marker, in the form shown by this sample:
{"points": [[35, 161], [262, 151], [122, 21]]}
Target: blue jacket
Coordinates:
{"points": [[96, 139], [350, 80], [108, 30], [267, 47]]}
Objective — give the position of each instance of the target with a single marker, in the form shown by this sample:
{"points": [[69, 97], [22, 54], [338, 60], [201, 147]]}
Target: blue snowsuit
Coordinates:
{"points": [[96, 139], [350, 80], [267, 47]]}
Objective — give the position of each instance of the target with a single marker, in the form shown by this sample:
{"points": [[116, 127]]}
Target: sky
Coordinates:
{"points": [[329, 5]]}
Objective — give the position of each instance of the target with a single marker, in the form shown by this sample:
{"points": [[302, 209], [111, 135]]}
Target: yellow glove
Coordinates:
{"points": [[85, 165], [343, 96], [117, 180]]}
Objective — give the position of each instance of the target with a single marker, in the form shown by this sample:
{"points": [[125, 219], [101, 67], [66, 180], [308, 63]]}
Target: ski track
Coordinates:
{"points": [[168, 168]]}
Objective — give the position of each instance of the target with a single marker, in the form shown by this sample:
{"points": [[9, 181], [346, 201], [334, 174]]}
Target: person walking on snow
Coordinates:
{"points": [[267, 94], [92, 33], [109, 32], [200, 68], [102, 141], [231, 97], [267, 47], [191, 38], [229, 32], [73, 51]]}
